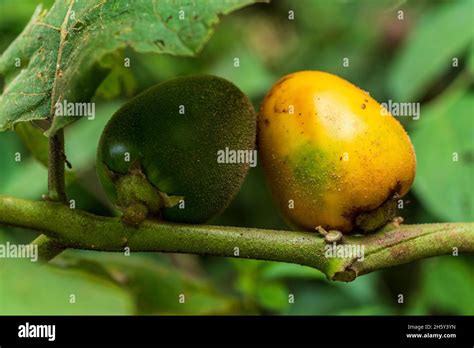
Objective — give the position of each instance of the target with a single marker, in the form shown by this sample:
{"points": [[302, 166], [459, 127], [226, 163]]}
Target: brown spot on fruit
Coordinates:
{"points": [[287, 77]]}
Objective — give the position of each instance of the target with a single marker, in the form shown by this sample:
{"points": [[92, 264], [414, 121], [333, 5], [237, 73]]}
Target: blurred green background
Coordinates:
{"points": [[422, 54]]}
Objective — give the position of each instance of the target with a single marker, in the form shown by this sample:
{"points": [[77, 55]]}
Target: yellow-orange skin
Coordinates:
{"points": [[329, 152]]}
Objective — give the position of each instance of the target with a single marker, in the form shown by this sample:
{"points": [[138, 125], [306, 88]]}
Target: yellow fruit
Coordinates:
{"points": [[330, 154]]}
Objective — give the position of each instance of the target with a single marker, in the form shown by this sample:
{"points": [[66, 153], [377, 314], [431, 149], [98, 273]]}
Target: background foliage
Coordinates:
{"points": [[407, 60]]}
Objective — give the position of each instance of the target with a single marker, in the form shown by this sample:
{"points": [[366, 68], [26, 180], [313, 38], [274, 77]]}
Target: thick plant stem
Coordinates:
{"points": [[56, 163], [390, 246]]}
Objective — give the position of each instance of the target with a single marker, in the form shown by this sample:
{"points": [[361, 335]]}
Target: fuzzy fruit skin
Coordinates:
{"points": [[178, 152], [304, 153]]}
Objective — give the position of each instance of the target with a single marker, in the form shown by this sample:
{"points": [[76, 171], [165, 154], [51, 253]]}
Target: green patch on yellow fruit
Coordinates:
{"points": [[312, 167]]}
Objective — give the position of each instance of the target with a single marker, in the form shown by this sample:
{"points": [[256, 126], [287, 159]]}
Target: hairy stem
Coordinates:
{"points": [[390, 246], [56, 162], [56, 184]]}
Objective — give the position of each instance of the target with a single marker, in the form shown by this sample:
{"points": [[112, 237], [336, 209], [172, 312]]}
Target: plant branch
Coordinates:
{"points": [[48, 248], [392, 245], [56, 181]]}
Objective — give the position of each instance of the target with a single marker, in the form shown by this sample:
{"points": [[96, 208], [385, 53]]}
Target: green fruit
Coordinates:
{"points": [[159, 151]]}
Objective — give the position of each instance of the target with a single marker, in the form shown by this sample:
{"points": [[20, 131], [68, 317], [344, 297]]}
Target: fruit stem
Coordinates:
{"points": [[379, 217], [138, 198]]}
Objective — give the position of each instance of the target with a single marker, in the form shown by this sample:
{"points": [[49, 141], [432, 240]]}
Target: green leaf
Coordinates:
{"points": [[34, 139], [249, 65], [79, 153], [281, 270], [37, 144], [470, 62], [329, 298], [444, 147], [447, 286], [82, 154], [9, 146], [47, 290], [28, 177], [248, 273], [273, 296], [25, 178], [155, 287], [440, 35], [368, 310], [262, 282], [29, 180], [120, 79], [60, 50]]}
